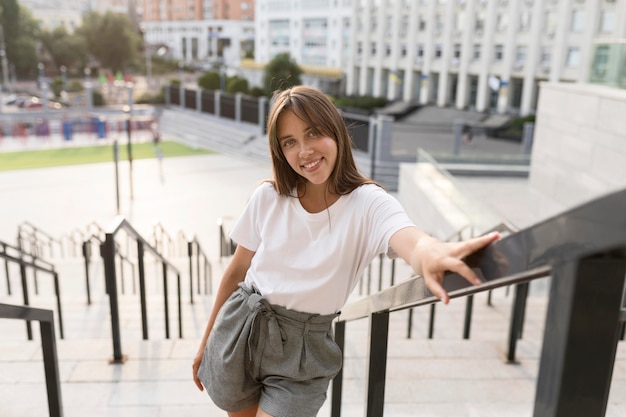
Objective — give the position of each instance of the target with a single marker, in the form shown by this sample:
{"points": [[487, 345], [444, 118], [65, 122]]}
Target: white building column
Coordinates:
{"points": [[620, 19], [486, 50], [425, 80], [444, 74], [411, 54], [530, 67], [504, 96], [352, 65], [592, 13], [394, 81], [560, 41], [365, 51], [462, 92], [381, 27]]}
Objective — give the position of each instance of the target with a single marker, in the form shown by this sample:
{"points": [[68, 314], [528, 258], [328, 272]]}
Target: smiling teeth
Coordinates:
{"points": [[312, 164]]}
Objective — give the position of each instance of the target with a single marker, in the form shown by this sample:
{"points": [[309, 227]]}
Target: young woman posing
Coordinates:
{"points": [[304, 240]]}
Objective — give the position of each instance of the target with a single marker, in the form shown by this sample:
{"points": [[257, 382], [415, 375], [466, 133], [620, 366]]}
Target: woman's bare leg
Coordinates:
{"points": [[261, 413], [248, 412]]}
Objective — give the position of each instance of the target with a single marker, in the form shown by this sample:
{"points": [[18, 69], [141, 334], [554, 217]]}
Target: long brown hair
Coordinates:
{"points": [[316, 109]]}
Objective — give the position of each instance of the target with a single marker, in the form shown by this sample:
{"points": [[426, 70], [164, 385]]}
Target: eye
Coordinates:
{"points": [[287, 143], [312, 133]]}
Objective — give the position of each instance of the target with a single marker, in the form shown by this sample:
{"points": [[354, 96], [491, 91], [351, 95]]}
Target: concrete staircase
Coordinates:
{"points": [[205, 131], [444, 376]]}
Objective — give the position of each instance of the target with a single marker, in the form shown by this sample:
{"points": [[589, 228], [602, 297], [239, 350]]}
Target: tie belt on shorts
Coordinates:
{"points": [[276, 314]]}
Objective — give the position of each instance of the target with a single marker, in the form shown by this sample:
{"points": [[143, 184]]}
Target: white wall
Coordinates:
{"points": [[579, 149]]}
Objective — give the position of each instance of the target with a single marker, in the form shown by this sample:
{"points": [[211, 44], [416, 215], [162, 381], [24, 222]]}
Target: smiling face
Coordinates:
{"points": [[310, 153]]}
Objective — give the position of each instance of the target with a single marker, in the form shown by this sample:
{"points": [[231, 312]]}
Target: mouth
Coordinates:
{"points": [[312, 164]]}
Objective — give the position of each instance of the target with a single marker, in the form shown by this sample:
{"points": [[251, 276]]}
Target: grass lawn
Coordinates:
{"points": [[88, 155]]}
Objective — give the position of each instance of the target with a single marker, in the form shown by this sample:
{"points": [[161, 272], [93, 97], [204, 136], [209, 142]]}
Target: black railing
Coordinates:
{"points": [[109, 255], [227, 246], [48, 348], [584, 252], [194, 250], [24, 259], [33, 240]]}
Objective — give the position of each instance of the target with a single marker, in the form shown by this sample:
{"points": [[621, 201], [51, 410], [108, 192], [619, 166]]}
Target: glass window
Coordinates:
{"points": [[520, 57], [498, 52], [476, 51], [502, 22], [438, 50], [578, 20], [607, 21], [573, 57]]}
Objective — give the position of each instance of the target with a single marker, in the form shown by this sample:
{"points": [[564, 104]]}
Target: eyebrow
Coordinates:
{"points": [[287, 136]]}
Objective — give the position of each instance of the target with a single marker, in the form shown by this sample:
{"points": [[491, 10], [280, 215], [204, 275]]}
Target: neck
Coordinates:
{"points": [[315, 198]]}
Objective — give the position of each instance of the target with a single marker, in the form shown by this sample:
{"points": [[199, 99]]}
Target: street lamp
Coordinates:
{"points": [[127, 110]]}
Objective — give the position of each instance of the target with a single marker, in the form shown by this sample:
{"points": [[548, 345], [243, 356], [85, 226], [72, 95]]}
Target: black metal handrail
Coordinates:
{"points": [[48, 348], [195, 249], [162, 240], [108, 255], [583, 250], [36, 238], [227, 246], [521, 292], [16, 255]]}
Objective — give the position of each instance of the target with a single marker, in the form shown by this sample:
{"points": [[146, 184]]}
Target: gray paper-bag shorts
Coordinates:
{"points": [[265, 354]]}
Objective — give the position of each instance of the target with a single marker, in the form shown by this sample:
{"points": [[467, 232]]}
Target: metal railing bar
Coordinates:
{"points": [[413, 293], [48, 347]]}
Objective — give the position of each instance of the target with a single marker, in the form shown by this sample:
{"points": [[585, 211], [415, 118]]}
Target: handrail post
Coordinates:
{"points": [[108, 252], [517, 318], [580, 336], [180, 308], [377, 367], [190, 255], [87, 256], [57, 292], [51, 367], [29, 327], [142, 290], [166, 301], [469, 305], [337, 388]]}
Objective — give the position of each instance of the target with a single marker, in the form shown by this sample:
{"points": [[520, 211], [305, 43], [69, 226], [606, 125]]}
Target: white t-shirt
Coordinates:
{"points": [[311, 262]]}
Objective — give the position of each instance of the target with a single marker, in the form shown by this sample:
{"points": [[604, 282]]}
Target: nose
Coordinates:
{"points": [[305, 150]]}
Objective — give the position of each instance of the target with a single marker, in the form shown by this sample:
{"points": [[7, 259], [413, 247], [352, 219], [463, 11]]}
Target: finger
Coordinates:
{"points": [[196, 380], [437, 289], [470, 246], [465, 271]]}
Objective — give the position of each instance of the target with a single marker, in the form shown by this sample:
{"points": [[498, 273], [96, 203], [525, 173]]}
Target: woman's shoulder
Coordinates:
{"points": [[368, 190]]}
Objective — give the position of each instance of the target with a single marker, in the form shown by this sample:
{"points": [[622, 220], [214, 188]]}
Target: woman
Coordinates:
{"points": [[304, 240]]}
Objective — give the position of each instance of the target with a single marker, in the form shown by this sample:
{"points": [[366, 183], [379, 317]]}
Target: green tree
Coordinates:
{"points": [[111, 39], [209, 81], [281, 73], [21, 32], [64, 48], [236, 85]]}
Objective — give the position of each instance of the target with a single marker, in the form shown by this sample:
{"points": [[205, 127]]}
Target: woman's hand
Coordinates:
{"points": [[195, 367], [431, 258], [434, 258]]}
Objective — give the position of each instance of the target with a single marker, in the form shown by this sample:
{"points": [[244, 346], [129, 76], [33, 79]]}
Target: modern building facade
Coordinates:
{"points": [[487, 55], [315, 33], [201, 32], [203, 42]]}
